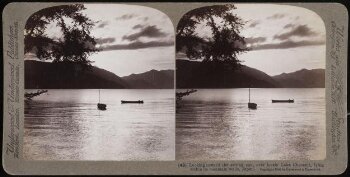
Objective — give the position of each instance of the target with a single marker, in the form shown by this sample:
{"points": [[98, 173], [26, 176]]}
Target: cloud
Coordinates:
{"points": [[287, 44], [253, 40], [300, 31], [137, 26], [254, 24], [138, 45], [276, 16], [105, 40], [289, 26], [126, 17], [149, 31], [102, 24]]}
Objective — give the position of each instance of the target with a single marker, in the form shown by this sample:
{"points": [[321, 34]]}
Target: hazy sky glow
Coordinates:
{"points": [[133, 39], [282, 38]]}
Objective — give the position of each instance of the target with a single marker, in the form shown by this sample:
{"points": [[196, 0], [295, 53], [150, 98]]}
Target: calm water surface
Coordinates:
{"points": [[217, 125], [66, 125]]}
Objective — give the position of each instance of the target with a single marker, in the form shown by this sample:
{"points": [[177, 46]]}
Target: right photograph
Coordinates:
{"points": [[250, 83]]}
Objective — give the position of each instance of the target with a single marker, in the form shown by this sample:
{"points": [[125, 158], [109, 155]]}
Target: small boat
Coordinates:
{"points": [[251, 105], [138, 101], [100, 106], [283, 101]]}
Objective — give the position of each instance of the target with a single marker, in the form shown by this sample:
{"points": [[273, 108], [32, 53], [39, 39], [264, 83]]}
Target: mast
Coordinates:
{"points": [[249, 94]]}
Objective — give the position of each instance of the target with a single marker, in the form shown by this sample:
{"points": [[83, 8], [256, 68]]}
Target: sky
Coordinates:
{"points": [[133, 39], [282, 38], [136, 39]]}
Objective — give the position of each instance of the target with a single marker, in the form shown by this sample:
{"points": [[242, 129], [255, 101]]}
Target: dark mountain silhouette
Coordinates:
{"points": [[191, 74], [303, 78], [45, 75], [163, 79]]}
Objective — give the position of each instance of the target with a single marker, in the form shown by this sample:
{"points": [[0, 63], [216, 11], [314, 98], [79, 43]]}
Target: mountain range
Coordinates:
{"points": [[303, 78], [192, 74], [189, 74], [154, 79], [45, 75]]}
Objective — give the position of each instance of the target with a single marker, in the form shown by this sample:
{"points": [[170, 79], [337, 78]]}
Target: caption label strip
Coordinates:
{"points": [[337, 86], [12, 95], [250, 167]]}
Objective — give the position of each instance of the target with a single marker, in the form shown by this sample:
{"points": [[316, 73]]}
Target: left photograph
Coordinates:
{"points": [[99, 84]]}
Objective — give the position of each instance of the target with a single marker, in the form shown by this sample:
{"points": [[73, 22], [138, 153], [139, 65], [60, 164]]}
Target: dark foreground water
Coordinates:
{"points": [[217, 125], [66, 125]]}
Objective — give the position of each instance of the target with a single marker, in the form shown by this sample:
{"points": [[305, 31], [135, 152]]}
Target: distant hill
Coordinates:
{"points": [[304, 78], [163, 79], [189, 75], [46, 75], [192, 74]]}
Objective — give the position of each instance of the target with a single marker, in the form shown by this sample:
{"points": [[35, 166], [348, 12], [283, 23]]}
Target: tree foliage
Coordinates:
{"points": [[225, 42], [74, 45]]}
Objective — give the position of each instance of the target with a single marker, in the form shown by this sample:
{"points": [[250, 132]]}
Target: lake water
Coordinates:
{"points": [[66, 125], [217, 125]]}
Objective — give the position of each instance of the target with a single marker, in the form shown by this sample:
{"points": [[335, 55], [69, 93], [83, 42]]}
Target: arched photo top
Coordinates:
{"points": [[254, 35], [122, 39]]}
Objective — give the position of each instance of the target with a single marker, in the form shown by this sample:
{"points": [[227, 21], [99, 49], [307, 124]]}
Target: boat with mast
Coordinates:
{"points": [[100, 106], [251, 105]]}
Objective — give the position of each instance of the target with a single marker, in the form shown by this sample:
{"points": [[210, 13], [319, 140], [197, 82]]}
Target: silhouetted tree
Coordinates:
{"points": [[74, 45], [225, 42]]}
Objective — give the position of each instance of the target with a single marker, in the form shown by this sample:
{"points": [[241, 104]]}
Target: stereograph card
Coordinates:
{"points": [[227, 88]]}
